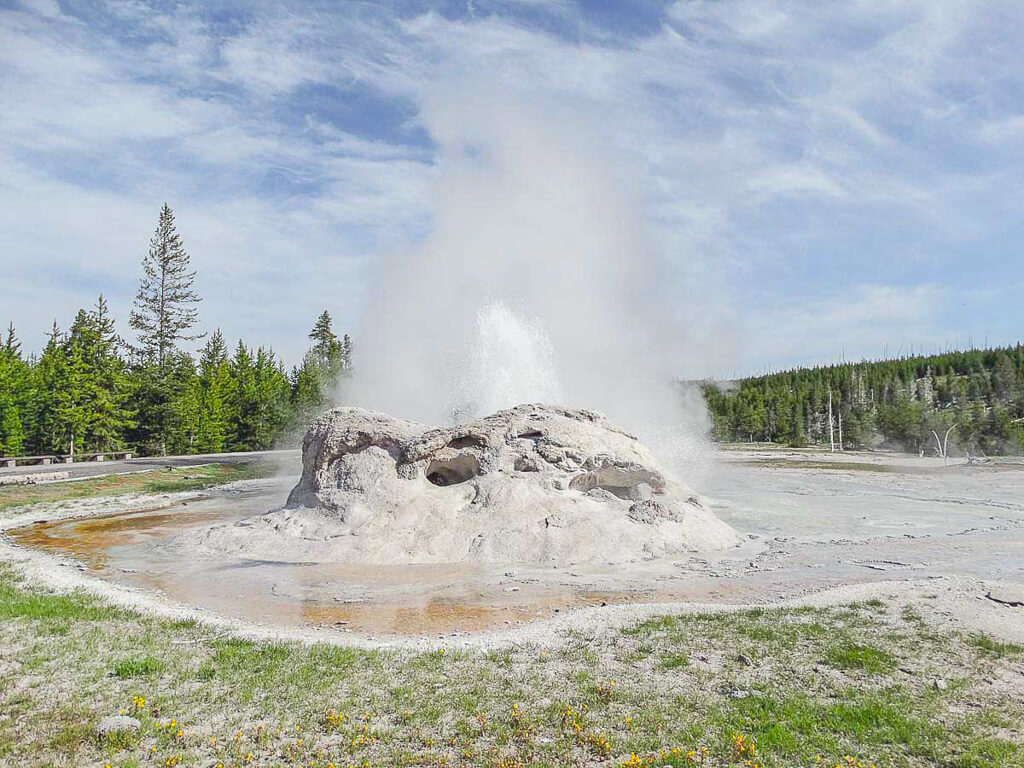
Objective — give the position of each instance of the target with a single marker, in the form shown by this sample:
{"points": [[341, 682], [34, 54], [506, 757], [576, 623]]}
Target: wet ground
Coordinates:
{"points": [[812, 522]]}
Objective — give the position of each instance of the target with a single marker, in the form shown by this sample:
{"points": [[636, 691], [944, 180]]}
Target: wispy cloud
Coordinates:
{"points": [[787, 149]]}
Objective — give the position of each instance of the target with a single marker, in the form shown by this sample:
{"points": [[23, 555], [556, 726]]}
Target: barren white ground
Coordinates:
{"points": [[896, 527]]}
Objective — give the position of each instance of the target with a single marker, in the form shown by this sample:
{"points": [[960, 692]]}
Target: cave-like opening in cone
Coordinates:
{"points": [[453, 471]]}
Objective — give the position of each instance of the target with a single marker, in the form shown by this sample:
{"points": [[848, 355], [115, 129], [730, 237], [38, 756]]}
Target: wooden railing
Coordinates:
{"points": [[56, 458]]}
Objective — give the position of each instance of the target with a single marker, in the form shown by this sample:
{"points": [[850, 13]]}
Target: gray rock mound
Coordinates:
{"points": [[532, 484]]}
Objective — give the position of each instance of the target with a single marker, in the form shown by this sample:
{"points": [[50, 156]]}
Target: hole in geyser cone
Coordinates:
{"points": [[468, 441], [453, 471], [629, 485]]}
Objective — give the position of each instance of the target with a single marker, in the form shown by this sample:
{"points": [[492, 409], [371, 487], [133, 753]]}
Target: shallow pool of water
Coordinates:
{"points": [[812, 530], [139, 548]]}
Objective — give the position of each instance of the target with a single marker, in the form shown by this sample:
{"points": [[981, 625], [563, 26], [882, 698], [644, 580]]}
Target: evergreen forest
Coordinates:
{"points": [[93, 390], [977, 396]]}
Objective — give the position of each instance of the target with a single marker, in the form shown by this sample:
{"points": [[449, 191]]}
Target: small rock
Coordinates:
{"points": [[117, 724], [601, 494], [940, 685], [511, 589], [511, 574]]}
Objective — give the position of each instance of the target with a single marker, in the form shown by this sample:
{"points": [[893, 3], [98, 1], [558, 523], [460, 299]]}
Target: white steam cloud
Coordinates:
{"points": [[537, 283]]}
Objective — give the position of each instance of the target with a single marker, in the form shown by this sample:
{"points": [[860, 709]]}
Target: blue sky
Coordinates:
{"points": [[830, 179]]}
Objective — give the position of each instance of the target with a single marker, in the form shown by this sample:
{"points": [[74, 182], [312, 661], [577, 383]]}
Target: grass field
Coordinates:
{"points": [[167, 480], [848, 686], [828, 466]]}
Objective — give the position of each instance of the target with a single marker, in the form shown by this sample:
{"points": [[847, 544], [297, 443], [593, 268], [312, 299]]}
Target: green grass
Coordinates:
{"points": [[674, 661], [849, 656], [796, 723], [833, 466], [994, 647], [145, 666], [118, 741], [231, 697], [17, 603]]}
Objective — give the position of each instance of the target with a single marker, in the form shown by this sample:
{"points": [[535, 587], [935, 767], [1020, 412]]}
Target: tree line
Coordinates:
{"points": [[90, 390], [893, 403]]}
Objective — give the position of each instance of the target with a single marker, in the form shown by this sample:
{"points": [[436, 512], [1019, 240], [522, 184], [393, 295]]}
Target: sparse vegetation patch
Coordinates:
{"points": [[771, 688], [167, 480]]}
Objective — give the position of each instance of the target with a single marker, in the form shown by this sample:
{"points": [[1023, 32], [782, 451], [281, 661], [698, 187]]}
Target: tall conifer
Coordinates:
{"points": [[165, 308], [14, 379], [164, 314]]}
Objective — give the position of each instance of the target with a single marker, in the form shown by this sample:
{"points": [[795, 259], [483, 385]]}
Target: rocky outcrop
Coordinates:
{"points": [[534, 484]]}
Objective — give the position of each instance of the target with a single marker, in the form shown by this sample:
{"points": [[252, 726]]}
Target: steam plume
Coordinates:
{"points": [[537, 281]]}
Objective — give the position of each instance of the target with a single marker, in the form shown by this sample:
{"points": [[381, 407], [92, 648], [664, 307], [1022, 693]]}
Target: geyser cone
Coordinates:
{"points": [[532, 484]]}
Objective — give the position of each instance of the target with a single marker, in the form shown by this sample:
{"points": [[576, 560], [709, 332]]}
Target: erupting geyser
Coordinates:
{"points": [[536, 283], [532, 484]]}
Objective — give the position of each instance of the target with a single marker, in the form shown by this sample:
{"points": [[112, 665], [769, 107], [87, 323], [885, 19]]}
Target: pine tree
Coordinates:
{"points": [[104, 382], [185, 406], [11, 344], [71, 397], [346, 355], [12, 436], [243, 400], [164, 306], [260, 399], [49, 375], [323, 334], [81, 387], [308, 385], [215, 393], [14, 379], [1004, 378], [163, 315], [333, 360], [272, 394]]}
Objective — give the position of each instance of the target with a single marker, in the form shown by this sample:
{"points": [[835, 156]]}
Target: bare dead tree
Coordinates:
{"points": [[943, 446], [831, 431]]}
